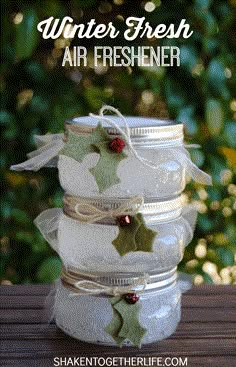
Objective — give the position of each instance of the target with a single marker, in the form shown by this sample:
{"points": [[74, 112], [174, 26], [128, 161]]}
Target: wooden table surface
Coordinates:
{"points": [[206, 334]]}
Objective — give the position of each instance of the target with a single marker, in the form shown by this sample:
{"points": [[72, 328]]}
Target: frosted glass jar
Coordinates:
{"points": [[85, 317], [89, 246], [153, 142], [158, 141]]}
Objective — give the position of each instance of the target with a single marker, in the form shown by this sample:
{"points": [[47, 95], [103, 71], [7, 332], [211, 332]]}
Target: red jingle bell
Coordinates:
{"points": [[117, 145], [124, 220], [131, 298]]}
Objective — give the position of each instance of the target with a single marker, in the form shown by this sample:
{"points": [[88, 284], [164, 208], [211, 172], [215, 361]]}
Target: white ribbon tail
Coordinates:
{"points": [[47, 222], [197, 174], [49, 303], [41, 140], [45, 155], [189, 214], [192, 170], [192, 146], [185, 282]]}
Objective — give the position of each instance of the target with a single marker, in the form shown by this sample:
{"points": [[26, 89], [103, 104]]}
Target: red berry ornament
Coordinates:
{"points": [[117, 145], [131, 298], [124, 220]]}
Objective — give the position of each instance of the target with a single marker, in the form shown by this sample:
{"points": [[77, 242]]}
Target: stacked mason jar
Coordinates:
{"points": [[123, 228]]}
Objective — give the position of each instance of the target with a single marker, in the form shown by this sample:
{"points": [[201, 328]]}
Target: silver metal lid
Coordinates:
{"points": [[153, 211], [143, 130], [154, 281], [150, 208]]}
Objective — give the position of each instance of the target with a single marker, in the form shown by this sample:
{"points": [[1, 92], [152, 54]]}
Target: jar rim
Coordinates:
{"points": [[133, 121], [142, 129], [152, 207], [155, 281]]}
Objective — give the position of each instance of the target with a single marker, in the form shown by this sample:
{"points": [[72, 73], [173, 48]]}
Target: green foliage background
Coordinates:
{"points": [[38, 94]]}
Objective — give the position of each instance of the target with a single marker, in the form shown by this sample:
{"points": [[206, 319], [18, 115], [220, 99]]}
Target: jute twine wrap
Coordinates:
{"points": [[85, 285], [85, 211]]}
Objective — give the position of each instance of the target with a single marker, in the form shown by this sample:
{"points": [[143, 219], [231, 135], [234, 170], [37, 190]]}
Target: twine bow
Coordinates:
{"points": [[91, 287], [85, 212], [196, 173], [124, 132]]}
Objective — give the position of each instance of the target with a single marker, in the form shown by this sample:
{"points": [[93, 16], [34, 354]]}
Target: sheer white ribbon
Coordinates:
{"points": [[189, 216], [51, 145], [46, 155], [185, 282], [47, 222]]}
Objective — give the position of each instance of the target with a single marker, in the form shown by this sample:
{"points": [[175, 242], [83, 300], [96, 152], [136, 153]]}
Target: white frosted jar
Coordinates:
{"points": [[158, 141], [85, 317], [89, 246], [157, 163]]}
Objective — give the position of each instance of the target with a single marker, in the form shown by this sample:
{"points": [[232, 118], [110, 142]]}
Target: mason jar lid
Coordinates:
{"points": [[143, 130], [155, 210], [154, 281], [152, 207]]}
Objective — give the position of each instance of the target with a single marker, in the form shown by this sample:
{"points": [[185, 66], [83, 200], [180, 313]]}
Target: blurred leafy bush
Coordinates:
{"points": [[38, 94]]}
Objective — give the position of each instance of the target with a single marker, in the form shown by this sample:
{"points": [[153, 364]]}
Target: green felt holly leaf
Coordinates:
{"points": [[105, 170], [116, 323], [125, 241], [134, 237], [78, 146], [131, 328], [144, 237], [125, 322]]}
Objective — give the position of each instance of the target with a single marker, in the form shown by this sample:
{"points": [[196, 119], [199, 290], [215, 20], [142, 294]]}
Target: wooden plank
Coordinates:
{"points": [[212, 361], [25, 289], [211, 289], [188, 300], [185, 330], [69, 346], [207, 315], [206, 333], [41, 316], [211, 301], [43, 289], [31, 316], [192, 361], [31, 331], [22, 302]]}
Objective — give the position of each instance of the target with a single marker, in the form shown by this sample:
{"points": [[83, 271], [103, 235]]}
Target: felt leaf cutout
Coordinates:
{"points": [[144, 237], [116, 323], [131, 328], [125, 323], [78, 146], [134, 237], [125, 241], [105, 170]]}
